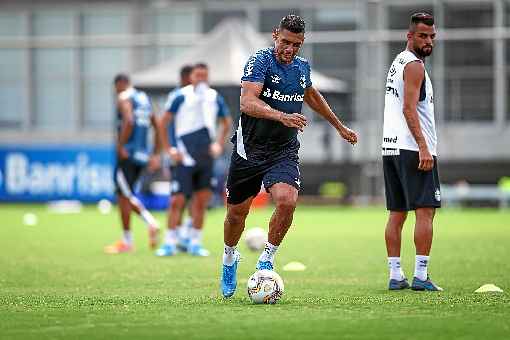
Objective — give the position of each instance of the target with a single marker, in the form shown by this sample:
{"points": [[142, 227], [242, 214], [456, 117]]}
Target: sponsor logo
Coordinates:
{"points": [[277, 95], [276, 79], [392, 90], [390, 139], [302, 81], [298, 182], [401, 61], [390, 152], [393, 70], [438, 195]]}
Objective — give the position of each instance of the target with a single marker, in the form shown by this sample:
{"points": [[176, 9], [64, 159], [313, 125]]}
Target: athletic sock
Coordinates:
{"points": [[148, 218], [420, 268], [229, 255], [195, 236], [171, 237], [268, 253], [396, 272], [127, 237]]}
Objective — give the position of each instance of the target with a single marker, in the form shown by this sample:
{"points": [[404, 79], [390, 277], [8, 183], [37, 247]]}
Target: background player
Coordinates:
{"points": [[134, 119], [275, 83], [194, 112], [409, 153]]}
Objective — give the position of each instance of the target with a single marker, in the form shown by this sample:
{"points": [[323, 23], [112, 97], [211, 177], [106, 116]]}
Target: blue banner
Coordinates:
{"points": [[45, 173]]}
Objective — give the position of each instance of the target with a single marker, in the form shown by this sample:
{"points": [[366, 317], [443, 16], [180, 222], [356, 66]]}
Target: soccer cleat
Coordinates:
{"points": [[425, 285], [398, 285], [183, 244], [166, 250], [118, 248], [198, 250], [264, 265], [229, 277], [153, 236]]}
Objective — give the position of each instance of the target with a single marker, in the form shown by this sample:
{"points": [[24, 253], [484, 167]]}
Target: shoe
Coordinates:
{"points": [[398, 285], [118, 248], [198, 250], [264, 265], [166, 250], [183, 244], [425, 285], [229, 277], [153, 236]]}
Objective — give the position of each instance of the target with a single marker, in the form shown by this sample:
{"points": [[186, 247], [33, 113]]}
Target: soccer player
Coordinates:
{"points": [[194, 112], [134, 119], [183, 229], [409, 150], [274, 85]]}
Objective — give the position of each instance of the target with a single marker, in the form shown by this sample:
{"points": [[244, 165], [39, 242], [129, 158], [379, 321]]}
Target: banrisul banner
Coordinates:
{"points": [[45, 173]]}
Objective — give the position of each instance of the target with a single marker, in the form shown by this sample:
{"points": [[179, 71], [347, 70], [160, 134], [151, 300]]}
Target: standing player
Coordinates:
{"points": [[274, 85], [194, 113], [409, 153], [134, 119]]}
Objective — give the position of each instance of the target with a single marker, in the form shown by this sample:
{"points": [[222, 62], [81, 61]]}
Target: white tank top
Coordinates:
{"points": [[396, 133]]}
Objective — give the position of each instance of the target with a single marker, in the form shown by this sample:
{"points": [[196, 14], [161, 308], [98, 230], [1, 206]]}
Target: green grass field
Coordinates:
{"points": [[56, 283]]}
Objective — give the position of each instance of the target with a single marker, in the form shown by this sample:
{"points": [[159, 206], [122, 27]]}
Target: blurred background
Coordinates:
{"points": [[58, 59]]}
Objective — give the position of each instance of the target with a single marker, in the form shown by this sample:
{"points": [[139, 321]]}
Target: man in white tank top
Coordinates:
{"points": [[409, 150]]}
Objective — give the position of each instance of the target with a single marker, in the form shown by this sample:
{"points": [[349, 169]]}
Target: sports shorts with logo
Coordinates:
{"points": [[126, 174], [408, 188], [245, 177], [189, 179]]}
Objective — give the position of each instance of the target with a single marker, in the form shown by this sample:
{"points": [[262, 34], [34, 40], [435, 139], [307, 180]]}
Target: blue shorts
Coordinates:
{"points": [[189, 179], [246, 177]]}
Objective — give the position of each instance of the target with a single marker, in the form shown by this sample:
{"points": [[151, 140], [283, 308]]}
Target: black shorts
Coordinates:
{"points": [[188, 179], [408, 188], [126, 174], [246, 177]]}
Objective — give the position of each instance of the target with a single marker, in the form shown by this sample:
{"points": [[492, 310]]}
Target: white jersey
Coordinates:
{"points": [[396, 133]]}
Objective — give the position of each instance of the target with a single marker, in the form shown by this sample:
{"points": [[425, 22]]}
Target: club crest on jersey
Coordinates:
{"points": [[275, 79], [302, 81]]}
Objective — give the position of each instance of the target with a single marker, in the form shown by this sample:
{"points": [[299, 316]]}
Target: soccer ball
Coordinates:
{"points": [[255, 238], [265, 286]]}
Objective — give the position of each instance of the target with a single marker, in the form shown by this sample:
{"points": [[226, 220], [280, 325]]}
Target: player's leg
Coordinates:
{"points": [[199, 204], [283, 183], [180, 191], [398, 205]]}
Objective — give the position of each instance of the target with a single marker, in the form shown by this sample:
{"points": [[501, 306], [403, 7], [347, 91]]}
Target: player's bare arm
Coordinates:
{"points": [[224, 130], [126, 110], [316, 101], [414, 74], [155, 159], [166, 119], [253, 106]]}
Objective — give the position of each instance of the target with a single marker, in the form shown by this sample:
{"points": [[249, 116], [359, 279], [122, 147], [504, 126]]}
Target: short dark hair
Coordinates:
{"points": [[201, 65], [293, 23], [121, 77], [421, 17], [186, 70]]}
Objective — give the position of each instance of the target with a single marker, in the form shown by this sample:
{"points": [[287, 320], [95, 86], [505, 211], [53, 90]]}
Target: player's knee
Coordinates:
{"points": [[426, 214], [236, 217], [286, 202], [178, 202]]}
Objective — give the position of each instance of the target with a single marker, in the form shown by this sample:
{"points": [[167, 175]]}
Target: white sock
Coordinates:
{"points": [[148, 218], [195, 236], [127, 237], [229, 255], [420, 268], [268, 253], [396, 272], [171, 237]]}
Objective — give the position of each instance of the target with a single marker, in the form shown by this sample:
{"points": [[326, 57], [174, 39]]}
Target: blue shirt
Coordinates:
{"points": [[137, 144], [196, 110], [283, 89]]}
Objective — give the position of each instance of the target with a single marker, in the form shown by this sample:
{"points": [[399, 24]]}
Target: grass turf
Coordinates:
{"points": [[55, 282]]}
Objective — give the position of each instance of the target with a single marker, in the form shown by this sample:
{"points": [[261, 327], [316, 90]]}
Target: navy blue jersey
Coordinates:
{"points": [[137, 144], [283, 89]]}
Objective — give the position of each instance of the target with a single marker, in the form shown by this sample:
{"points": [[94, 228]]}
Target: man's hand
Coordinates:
{"points": [[215, 149], [293, 120], [348, 134], [154, 163], [175, 155], [426, 159], [122, 153]]}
